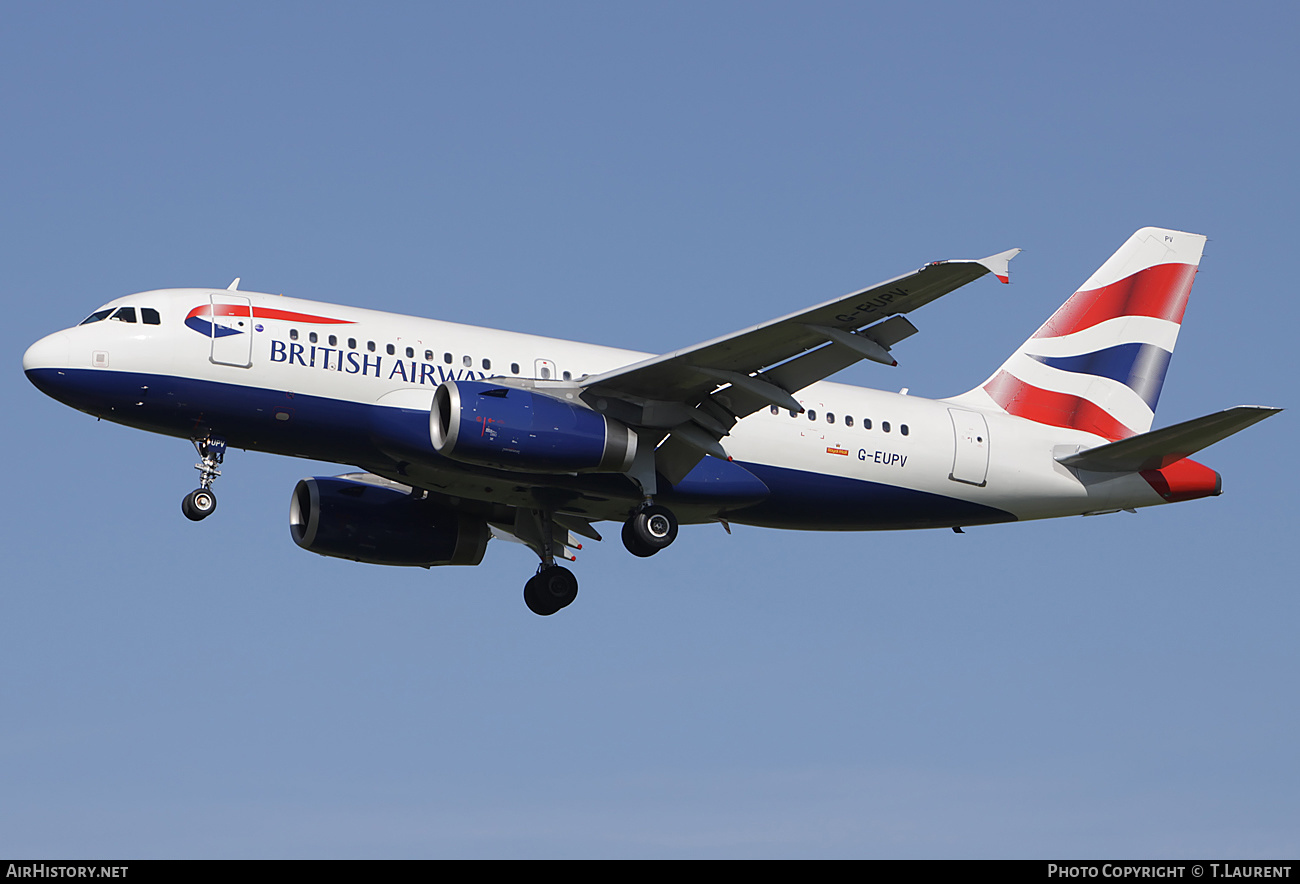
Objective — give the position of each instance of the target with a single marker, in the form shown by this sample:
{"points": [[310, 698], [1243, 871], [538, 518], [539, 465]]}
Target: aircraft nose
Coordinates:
{"points": [[50, 351], [45, 364]]}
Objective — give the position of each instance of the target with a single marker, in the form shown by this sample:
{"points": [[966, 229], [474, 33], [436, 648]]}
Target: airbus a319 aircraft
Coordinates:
{"points": [[464, 433]]}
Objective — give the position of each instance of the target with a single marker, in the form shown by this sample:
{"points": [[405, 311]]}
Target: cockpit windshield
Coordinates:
{"points": [[97, 316], [124, 314]]}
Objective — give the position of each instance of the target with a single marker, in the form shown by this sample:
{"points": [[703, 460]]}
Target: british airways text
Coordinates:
{"points": [[409, 371]]}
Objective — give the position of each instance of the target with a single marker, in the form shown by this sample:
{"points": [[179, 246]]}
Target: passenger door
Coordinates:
{"points": [[232, 330], [970, 460]]}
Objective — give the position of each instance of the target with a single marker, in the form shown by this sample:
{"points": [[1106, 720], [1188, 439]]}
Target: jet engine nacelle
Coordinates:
{"points": [[382, 525], [514, 429]]}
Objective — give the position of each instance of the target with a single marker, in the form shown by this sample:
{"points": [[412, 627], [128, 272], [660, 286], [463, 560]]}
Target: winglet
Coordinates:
{"points": [[998, 264], [234, 286]]}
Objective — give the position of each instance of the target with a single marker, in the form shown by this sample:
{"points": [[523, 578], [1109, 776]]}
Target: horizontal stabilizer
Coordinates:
{"points": [[1160, 448]]}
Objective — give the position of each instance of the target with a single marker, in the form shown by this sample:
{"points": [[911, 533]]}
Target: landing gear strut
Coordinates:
{"points": [[552, 587], [650, 529], [201, 502]]}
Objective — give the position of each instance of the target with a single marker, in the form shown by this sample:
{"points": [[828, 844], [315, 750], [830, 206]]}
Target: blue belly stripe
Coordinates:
{"points": [[380, 438]]}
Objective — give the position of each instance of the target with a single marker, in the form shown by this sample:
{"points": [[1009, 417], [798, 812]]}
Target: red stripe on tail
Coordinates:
{"points": [[1160, 291], [1054, 409]]}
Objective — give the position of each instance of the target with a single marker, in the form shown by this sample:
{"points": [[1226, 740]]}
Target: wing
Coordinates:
{"points": [[697, 394], [693, 371]]}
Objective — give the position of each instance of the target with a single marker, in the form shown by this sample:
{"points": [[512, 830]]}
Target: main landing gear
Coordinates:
{"points": [[649, 529], [551, 589], [201, 502]]}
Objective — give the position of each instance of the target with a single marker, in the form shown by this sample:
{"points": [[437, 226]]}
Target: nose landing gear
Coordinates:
{"points": [[201, 502]]}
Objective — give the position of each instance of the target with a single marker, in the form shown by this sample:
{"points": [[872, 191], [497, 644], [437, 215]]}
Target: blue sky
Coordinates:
{"points": [[648, 178]]}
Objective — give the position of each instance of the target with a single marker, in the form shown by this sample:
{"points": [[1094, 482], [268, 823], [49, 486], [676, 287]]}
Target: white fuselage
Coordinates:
{"points": [[306, 374]]}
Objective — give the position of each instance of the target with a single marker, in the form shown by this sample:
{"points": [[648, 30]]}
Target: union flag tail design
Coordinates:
{"points": [[1099, 362]]}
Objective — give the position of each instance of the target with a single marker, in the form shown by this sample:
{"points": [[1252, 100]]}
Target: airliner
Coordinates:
{"points": [[460, 434]]}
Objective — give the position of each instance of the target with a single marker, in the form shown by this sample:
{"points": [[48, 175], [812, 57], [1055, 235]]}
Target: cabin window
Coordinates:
{"points": [[428, 355], [150, 316], [514, 368], [311, 336], [466, 361], [775, 410], [352, 343], [830, 418], [812, 414], [848, 420], [334, 340], [794, 414], [884, 426], [410, 352], [293, 334], [390, 349], [97, 316], [866, 423], [446, 357], [125, 314], [487, 364], [370, 345], [568, 376], [903, 429]]}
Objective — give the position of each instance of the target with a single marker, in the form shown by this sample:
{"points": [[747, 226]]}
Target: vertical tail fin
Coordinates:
{"points": [[1099, 362]]}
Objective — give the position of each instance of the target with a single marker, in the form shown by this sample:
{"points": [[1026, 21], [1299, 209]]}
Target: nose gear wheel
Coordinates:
{"points": [[199, 504]]}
